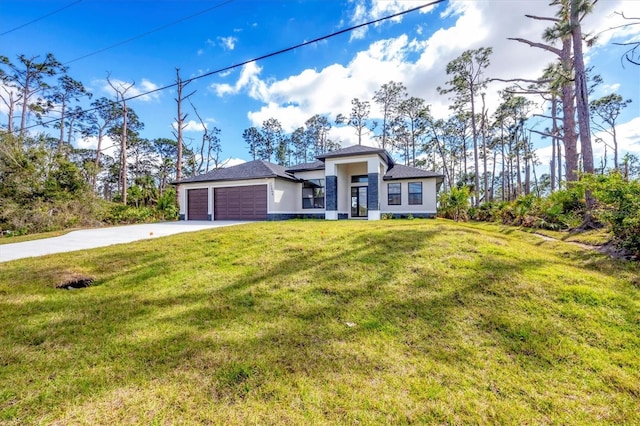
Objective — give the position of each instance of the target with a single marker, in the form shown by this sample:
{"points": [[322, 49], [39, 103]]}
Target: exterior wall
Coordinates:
{"points": [[429, 198], [344, 168], [284, 196]]}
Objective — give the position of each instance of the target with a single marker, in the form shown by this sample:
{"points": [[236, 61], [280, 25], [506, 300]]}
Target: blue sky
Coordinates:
{"points": [[317, 79]]}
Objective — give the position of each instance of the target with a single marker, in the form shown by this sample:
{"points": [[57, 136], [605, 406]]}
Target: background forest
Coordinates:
{"points": [[486, 156]]}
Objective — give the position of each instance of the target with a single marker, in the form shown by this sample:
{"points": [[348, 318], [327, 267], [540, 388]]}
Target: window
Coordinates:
{"points": [[313, 194], [415, 192], [393, 192], [360, 179]]}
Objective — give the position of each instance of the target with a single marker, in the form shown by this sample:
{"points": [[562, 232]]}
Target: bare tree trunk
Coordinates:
{"points": [[25, 103], [476, 162], [559, 162], [484, 149], [582, 92], [180, 127], [554, 132], [121, 91], [527, 168], [97, 160], [503, 160], [493, 174], [568, 115], [61, 138], [11, 106], [123, 152], [518, 172]]}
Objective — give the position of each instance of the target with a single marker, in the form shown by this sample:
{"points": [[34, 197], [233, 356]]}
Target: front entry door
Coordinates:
{"points": [[359, 201]]}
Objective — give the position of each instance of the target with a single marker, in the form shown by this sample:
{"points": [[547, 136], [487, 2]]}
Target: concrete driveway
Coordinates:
{"points": [[101, 237]]}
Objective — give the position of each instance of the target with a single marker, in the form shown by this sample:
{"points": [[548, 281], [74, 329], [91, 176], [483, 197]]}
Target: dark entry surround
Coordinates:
{"points": [[240, 203]]}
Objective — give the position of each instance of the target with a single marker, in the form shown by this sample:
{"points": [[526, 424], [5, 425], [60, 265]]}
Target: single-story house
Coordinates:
{"points": [[357, 182]]}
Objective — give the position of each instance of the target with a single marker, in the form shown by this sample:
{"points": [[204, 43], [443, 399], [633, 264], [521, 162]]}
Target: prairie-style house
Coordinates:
{"points": [[357, 182]]}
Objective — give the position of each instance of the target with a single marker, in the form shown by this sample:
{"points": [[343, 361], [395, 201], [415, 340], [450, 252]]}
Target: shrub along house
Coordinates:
{"points": [[357, 182]]}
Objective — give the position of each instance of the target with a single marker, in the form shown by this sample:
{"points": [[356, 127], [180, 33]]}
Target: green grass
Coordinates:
{"points": [[320, 322], [32, 237]]}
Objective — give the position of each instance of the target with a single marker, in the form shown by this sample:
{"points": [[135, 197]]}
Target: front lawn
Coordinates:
{"points": [[320, 322]]}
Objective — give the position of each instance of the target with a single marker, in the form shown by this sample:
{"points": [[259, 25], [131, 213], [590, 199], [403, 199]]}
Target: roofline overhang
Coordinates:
{"points": [[294, 179]]}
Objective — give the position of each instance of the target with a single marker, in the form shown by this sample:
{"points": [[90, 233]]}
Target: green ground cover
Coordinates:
{"points": [[320, 322]]}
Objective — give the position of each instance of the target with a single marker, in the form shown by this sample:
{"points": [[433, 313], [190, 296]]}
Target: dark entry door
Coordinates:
{"points": [[359, 201]]}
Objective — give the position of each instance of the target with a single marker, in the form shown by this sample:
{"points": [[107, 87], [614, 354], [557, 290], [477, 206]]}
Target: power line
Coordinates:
{"points": [[170, 24], [268, 55], [41, 18]]}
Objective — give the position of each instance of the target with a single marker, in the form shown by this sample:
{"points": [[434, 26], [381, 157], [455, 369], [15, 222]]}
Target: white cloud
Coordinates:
{"points": [[248, 80], [229, 162], [607, 89], [191, 126], [419, 62], [372, 10], [137, 90], [108, 146], [228, 43], [609, 24]]}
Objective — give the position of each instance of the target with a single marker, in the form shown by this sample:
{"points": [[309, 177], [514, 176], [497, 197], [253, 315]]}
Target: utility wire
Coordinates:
{"points": [[41, 18], [170, 24], [268, 55]]}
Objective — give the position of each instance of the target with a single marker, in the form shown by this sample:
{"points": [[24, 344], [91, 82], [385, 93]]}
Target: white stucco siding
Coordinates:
{"points": [[286, 197], [429, 197]]}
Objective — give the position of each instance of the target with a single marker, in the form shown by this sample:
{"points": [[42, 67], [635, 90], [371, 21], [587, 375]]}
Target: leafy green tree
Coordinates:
{"points": [[317, 134], [67, 91], [273, 136], [165, 150], [29, 76], [254, 140], [298, 143], [358, 117], [413, 113], [388, 98], [105, 113], [607, 109], [467, 82]]}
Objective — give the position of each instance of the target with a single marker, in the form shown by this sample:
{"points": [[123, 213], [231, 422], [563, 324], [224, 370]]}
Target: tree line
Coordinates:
{"points": [[488, 152]]}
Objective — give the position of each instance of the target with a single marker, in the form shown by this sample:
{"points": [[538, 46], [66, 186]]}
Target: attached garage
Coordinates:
{"points": [[198, 204], [240, 203]]}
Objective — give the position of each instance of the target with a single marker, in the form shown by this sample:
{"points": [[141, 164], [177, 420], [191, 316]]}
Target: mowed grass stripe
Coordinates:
{"points": [[319, 322]]}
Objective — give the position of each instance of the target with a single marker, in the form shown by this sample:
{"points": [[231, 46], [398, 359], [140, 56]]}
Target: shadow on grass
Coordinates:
{"points": [[308, 314]]}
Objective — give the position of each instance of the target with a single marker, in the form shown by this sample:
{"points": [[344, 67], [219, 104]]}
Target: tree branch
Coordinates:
{"points": [[542, 18], [523, 80], [538, 45], [545, 134]]}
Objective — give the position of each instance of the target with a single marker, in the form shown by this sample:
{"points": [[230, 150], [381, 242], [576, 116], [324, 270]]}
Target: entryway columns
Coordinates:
{"points": [[373, 189], [331, 192]]}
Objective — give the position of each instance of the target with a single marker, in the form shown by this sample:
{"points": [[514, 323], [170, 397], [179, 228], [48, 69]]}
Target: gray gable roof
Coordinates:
{"points": [[398, 171], [356, 150], [257, 169], [316, 165]]}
